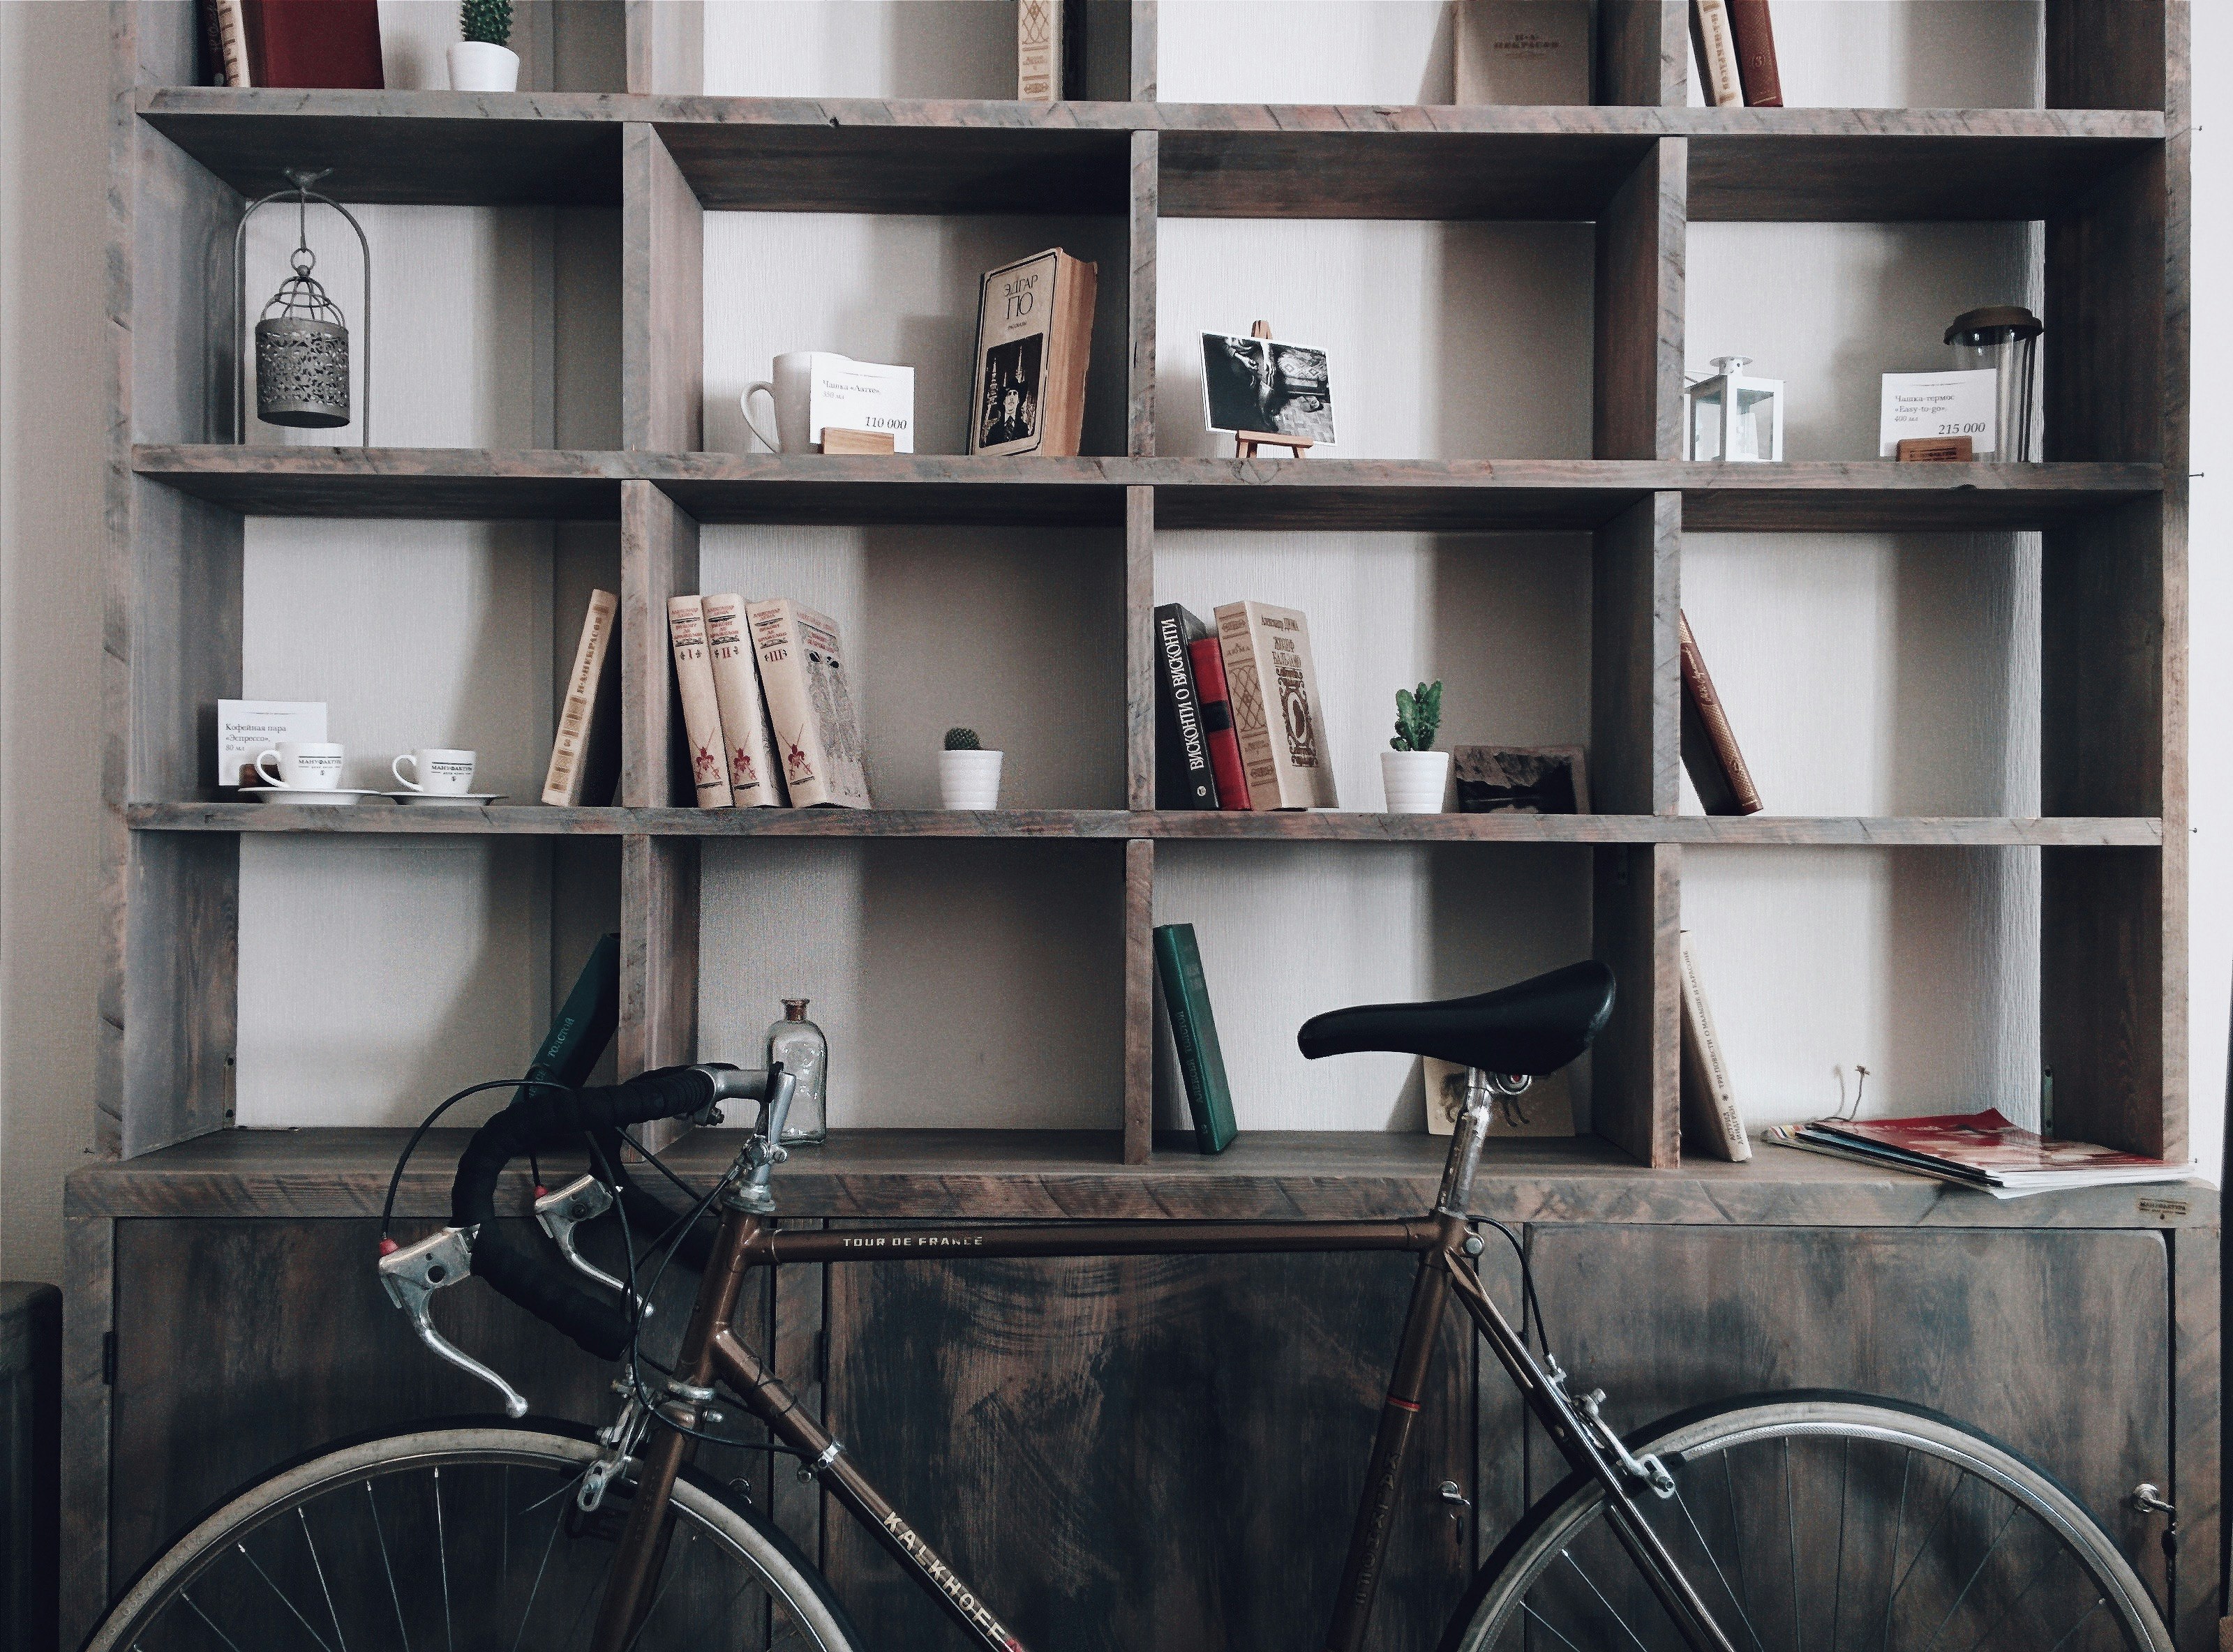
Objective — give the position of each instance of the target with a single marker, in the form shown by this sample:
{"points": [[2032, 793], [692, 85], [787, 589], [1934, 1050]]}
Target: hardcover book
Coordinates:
{"points": [[1275, 706], [1227, 773], [809, 702], [1183, 779], [314, 43], [1194, 1030], [1716, 47], [1709, 1109], [585, 754], [706, 749], [584, 1025], [1034, 338], [750, 744], [1710, 745], [1038, 50], [1754, 36], [1523, 51]]}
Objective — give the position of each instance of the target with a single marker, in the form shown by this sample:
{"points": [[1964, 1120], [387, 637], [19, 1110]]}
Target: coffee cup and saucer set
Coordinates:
{"points": [[309, 772]]}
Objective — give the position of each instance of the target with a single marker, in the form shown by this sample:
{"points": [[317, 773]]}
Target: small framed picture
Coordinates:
{"points": [[1524, 779], [1545, 1107], [1264, 387]]}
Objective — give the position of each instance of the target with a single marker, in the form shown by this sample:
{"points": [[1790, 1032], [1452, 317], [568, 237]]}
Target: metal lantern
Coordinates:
{"points": [[2002, 339], [302, 337], [1735, 418]]}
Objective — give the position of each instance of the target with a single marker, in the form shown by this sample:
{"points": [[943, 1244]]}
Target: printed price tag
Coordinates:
{"points": [[862, 395], [1939, 405]]}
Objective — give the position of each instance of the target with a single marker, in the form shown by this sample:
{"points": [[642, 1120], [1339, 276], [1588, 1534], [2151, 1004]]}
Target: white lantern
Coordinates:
{"points": [[1735, 418]]}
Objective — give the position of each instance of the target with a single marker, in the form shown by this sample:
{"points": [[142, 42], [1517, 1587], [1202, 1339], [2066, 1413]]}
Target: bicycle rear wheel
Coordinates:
{"points": [[462, 1540], [1823, 1521]]}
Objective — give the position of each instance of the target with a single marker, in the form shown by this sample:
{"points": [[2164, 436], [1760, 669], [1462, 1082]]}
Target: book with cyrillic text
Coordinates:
{"points": [[1227, 773], [809, 699], [1274, 687], [707, 750], [1754, 36], [754, 779], [585, 753], [1183, 779], [1194, 1030]]}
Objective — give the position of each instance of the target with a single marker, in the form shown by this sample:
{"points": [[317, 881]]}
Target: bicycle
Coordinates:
{"points": [[1758, 1523]]}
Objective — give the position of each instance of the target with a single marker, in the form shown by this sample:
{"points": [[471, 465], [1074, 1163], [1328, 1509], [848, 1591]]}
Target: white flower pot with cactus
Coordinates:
{"points": [[483, 61], [968, 776], [1413, 775]]}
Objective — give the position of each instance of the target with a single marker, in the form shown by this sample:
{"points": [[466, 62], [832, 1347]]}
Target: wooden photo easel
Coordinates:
{"points": [[1245, 441]]}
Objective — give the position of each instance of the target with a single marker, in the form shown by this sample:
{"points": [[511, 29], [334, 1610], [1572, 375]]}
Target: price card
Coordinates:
{"points": [[862, 395], [1938, 404], [245, 727]]}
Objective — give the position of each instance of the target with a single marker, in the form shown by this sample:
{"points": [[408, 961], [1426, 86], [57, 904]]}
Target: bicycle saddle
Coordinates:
{"points": [[1535, 1027]]}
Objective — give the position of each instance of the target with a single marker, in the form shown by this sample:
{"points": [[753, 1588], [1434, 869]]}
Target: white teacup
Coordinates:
{"points": [[791, 393], [304, 765], [435, 770]]}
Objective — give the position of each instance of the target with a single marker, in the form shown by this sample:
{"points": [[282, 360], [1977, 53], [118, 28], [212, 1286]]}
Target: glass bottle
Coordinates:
{"points": [[799, 1044], [2002, 339]]}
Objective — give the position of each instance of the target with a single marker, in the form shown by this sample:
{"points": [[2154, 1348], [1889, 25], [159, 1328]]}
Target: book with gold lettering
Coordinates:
{"points": [[1275, 687], [753, 780], [809, 697]]}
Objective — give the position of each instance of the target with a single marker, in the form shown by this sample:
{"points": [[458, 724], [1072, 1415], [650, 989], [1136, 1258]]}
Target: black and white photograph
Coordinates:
{"points": [[1010, 412], [1265, 387], [1521, 779]]}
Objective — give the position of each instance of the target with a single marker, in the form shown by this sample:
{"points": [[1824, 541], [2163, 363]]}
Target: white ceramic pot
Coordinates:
{"points": [[969, 779], [1414, 781], [476, 65]]}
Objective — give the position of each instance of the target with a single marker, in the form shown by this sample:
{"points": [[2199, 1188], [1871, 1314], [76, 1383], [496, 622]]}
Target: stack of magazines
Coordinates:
{"points": [[1974, 1151]]}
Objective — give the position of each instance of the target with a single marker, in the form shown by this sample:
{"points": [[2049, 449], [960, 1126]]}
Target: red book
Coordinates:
{"points": [[1755, 43], [315, 42], [1216, 703]]}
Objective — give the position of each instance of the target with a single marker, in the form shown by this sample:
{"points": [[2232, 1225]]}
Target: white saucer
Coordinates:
{"points": [[445, 799], [332, 799]]}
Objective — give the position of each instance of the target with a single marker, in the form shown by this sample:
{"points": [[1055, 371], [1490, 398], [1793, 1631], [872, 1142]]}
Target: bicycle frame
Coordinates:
{"points": [[1443, 1241]]}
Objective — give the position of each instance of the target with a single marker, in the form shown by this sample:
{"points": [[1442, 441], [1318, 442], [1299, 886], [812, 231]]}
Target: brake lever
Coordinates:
{"points": [[560, 1212], [413, 1275]]}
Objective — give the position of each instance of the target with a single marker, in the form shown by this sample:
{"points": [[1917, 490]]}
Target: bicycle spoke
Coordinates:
{"points": [[2008, 1611], [243, 1550], [526, 1611], [2099, 1602], [442, 1553], [207, 1619], [673, 1570], [1791, 1532], [1838, 1587], [1736, 1534], [1743, 1618], [1547, 1623], [1899, 1532], [402, 1635], [324, 1588], [1986, 1561], [1601, 1601], [1946, 1503]]}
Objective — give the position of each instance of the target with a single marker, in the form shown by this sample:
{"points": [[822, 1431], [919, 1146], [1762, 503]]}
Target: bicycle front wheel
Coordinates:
{"points": [[463, 1540], [1823, 1521]]}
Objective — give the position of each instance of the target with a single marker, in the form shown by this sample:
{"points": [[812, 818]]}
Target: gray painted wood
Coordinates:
{"points": [[662, 300]]}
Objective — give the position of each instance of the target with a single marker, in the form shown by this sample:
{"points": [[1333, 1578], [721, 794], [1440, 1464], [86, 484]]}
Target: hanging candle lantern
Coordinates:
{"points": [[302, 337]]}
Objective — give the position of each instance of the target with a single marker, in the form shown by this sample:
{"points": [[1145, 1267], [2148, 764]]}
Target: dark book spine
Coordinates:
{"points": [[1755, 43], [584, 1025], [1182, 773], [315, 44], [1215, 700], [1710, 745], [1194, 1030]]}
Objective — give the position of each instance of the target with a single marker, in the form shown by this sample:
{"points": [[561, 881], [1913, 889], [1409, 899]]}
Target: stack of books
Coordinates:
{"points": [[1981, 1150], [1238, 719]]}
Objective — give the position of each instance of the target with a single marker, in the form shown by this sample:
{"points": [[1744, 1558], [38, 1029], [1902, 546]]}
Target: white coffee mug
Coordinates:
{"points": [[791, 395], [438, 769], [304, 765]]}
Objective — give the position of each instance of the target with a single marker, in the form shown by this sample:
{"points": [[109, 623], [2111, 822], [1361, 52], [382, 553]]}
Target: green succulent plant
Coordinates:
{"points": [[1418, 717], [488, 20], [963, 739]]}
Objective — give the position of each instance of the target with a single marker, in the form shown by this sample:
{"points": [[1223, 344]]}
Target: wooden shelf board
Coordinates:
{"points": [[434, 148], [882, 488], [1052, 1176], [440, 483], [1246, 160], [1194, 826]]}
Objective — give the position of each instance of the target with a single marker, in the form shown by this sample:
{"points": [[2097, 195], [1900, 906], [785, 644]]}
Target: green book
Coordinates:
{"points": [[585, 1024], [1186, 995]]}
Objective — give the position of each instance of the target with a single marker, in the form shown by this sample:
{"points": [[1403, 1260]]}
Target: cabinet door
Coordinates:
{"points": [[2057, 1343], [1151, 1451]]}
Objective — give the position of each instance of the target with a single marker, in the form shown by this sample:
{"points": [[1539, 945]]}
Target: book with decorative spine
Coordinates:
{"points": [[1215, 699], [1038, 51], [1710, 1108], [585, 753], [1716, 44], [809, 702], [749, 742], [1183, 779], [1034, 339], [1754, 35], [701, 708], [1710, 744], [1194, 1030], [1275, 706]]}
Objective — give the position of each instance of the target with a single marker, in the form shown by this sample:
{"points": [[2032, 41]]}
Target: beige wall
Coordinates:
{"points": [[1862, 294]]}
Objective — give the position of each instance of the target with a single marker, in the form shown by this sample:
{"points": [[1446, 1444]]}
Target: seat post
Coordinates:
{"points": [[1482, 1091]]}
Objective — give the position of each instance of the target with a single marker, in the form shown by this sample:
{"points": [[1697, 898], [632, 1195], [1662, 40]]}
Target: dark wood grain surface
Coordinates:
{"points": [[1636, 408], [662, 302]]}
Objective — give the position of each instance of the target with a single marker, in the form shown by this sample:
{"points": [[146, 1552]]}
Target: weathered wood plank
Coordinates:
{"points": [[666, 47], [1139, 298], [1140, 647], [662, 300], [659, 965], [2113, 53], [1139, 1001], [1634, 677], [89, 1283], [2198, 1441], [658, 559], [1644, 53], [1641, 237], [1636, 917]]}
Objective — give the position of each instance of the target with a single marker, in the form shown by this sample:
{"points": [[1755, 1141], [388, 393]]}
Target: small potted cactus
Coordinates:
{"points": [[483, 60], [1412, 773], [968, 775]]}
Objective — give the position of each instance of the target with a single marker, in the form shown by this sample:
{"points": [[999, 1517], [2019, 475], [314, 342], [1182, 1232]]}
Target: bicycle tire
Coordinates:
{"points": [[1510, 1604], [756, 1548]]}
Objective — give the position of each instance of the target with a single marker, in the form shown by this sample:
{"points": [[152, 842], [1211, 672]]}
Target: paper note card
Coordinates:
{"points": [[1937, 404], [245, 727], [862, 395]]}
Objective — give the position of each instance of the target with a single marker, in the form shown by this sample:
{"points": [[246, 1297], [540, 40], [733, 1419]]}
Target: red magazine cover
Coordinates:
{"points": [[1986, 1147]]}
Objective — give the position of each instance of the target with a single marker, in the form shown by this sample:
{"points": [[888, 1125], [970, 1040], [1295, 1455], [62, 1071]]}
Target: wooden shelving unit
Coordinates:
{"points": [[2104, 165]]}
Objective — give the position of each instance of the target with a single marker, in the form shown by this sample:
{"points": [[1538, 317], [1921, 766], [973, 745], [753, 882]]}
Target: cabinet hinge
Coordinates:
{"points": [[108, 1358]]}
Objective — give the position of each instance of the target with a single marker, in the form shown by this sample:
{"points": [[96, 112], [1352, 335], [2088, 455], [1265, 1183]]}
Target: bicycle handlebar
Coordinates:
{"points": [[521, 1268]]}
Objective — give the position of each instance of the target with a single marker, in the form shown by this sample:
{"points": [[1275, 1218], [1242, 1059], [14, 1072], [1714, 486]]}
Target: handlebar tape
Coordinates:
{"points": [[529, 1275]]}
